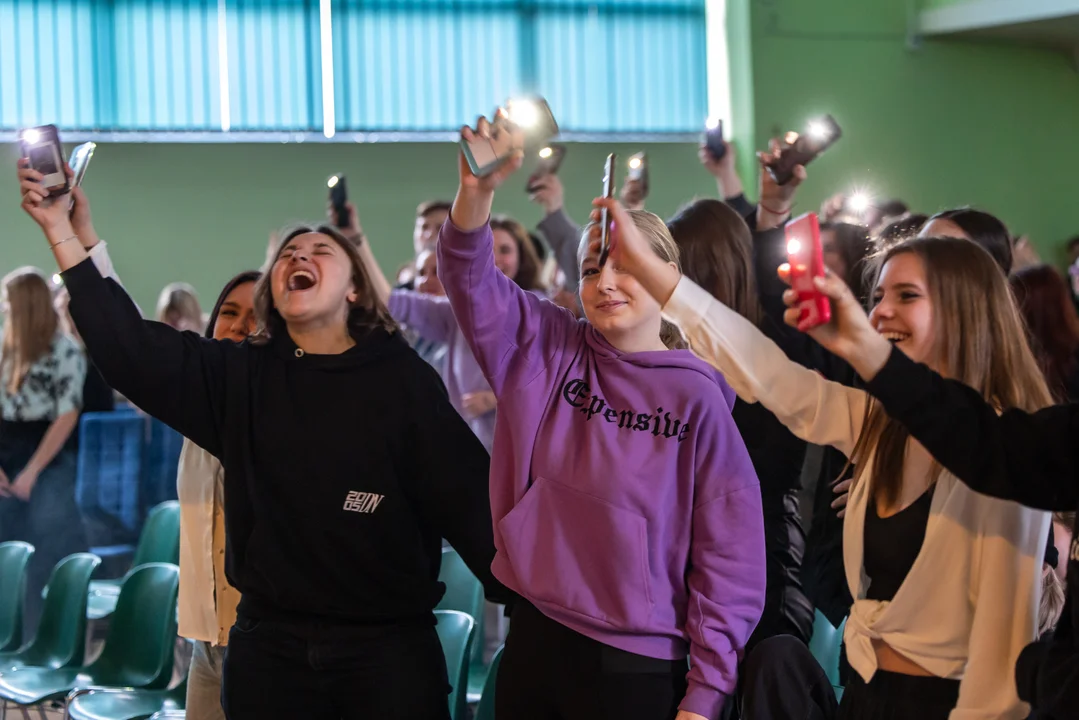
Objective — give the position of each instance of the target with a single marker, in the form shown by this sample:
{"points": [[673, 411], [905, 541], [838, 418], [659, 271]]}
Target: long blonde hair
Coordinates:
{"points": [[30, 327], [979, 340], [663, 245], [181, 301]]}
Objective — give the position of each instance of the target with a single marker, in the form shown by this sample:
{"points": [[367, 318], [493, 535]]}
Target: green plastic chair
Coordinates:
{"points": [[486, 709], [455, 631], [14, 557], [60, 639], [125, 704], [138, 647], [159, 542], [464, 593], [824, 643]]}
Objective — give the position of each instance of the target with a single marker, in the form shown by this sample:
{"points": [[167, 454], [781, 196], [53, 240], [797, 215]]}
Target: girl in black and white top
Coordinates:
{"points": [[944, 580], [344, 467]]}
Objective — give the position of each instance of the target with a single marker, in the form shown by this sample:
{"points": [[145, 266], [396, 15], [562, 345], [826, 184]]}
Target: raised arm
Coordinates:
{"points": [[513, 334], [176, 377], [562, 234]]}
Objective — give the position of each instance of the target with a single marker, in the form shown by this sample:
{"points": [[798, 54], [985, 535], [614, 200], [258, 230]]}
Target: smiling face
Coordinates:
{"points": [[427, 281], [425, 232], [236, 317], [311, 281], [902, 308], [507, 254]]}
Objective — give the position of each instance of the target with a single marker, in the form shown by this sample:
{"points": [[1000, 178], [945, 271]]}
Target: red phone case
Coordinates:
{"points": [[806, 258]]}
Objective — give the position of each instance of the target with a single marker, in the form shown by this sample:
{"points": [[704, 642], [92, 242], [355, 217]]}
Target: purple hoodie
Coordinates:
{"points": [[432, 317], [624, 501]]}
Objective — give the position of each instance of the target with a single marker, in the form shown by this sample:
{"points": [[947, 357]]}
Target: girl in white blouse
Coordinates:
{"points": [[945, 581]]}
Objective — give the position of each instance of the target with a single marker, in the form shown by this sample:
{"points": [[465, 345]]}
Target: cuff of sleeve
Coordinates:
{"points": [[687, 304], [465, 244], [892, 383], [704, 701]]}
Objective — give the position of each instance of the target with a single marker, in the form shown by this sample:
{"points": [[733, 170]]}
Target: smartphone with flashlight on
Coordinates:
{"points": [[41, 146], [531, 115], [713, 139], [605, 216], [338, 200], [806, 258], [550, 160], [801, 149], [637, 170]]}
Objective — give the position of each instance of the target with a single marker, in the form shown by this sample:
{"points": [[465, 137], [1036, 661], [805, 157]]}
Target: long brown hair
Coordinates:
{"points": [[528, 263], [979, 340], [663, 245], [716, 247], [1052, 324], [31, 324], [366, 314]]}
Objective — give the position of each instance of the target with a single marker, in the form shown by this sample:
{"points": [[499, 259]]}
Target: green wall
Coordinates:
{"points": [[200, 213], [947, 123]]}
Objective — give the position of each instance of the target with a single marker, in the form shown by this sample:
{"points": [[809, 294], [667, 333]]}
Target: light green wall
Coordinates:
{"points": [[200, 213], [948, 123]]}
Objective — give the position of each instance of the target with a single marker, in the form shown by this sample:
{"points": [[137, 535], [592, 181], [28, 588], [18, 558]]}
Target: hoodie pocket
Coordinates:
{"points": [[581, 553]]}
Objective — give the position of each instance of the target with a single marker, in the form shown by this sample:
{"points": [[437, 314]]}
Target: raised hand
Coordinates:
{"points": [[472, 206], [776, 201], [50, 213]]}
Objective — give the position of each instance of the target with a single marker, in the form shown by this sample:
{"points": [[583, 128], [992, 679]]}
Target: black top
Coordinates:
{"points": [[1031, 458], [342, 472], [892, 544]]}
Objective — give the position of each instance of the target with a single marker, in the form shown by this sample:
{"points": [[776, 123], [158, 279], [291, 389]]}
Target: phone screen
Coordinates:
{"points": [[532, 116], [605, 220], [713, 139], [806, 258]]}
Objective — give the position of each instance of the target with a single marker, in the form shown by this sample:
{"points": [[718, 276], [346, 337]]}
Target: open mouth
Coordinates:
{"points": [[301, 280], [895, 337]]}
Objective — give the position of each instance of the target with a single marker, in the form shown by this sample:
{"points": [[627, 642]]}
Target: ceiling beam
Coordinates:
{"points": [[981, 14]]}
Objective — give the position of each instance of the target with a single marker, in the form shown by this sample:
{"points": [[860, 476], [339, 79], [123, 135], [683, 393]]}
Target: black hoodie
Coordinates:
{"points": [[342, 472]]}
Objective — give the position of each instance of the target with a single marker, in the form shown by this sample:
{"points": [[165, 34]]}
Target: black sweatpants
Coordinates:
{"points": [[781, 680], [549, 672], [320, 671]]}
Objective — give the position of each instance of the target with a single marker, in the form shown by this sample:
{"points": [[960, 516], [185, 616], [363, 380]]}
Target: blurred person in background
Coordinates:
{"points": [[1052, 326], [728, 182], [178, 307], [977, 226]]}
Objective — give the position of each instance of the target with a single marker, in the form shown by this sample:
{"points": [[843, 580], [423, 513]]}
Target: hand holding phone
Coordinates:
{"points": [[801, 149], [604, 218], [806, 258], [637, 171], [550, 160], [339, 201], [521, 124], [41, 147], [713, 139]]}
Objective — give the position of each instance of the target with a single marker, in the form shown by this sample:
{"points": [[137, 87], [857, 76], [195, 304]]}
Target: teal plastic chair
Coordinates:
{"points": [[464, 593], [125, 704], [14, 557], [169, 715], [138, 647], [60, 639], [824, 644], [486, 709], [159, 542], [455, 631]]}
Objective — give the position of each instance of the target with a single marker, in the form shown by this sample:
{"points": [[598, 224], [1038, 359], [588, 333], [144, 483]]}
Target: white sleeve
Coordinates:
{"points": [[817, 410], [1006, 598]]}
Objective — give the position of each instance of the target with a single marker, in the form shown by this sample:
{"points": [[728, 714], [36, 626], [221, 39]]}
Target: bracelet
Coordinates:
{"points": [[73, 237], [777, 213]]}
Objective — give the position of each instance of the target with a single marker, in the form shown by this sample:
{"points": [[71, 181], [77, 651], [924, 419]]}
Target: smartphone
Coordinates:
{"points": [[338, 200], [713, 138], [604, 219], [796, 149], [806, 258], [550, 160], [80, 160], [638, 170], [41, 146], [531, 115]]}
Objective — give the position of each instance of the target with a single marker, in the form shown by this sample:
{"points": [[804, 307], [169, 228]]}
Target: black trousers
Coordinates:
{"points": [[783, 681], [549, 672], [321, 671]]}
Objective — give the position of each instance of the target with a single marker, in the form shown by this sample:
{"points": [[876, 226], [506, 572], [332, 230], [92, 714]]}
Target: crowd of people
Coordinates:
{"points": [[656, 472]]}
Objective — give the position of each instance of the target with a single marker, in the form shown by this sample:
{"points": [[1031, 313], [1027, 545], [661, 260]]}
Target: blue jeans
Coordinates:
{"points": [[50, 521]]}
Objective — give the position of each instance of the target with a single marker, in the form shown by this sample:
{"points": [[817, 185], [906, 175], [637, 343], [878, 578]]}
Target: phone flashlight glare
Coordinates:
{"points": [[332, 182], [794, 247], [523, 113], [31, 136], [818, 130], [546, 153], [858, 202], [712, 123]]}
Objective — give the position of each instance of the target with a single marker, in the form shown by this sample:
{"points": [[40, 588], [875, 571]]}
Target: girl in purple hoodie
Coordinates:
{"points": [[627, 514]]}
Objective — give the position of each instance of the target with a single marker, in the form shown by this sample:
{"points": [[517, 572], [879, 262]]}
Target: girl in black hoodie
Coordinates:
{"points": [[345, 466]]}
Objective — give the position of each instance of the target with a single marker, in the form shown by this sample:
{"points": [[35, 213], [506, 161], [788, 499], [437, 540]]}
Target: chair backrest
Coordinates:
{"points": [[464, 593], [455, 630], [160, 538], [109, 466], [485, 710], [169, 715], [14, 557], [60, 640], [139, 644], [161, 456], [824, 644]]}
